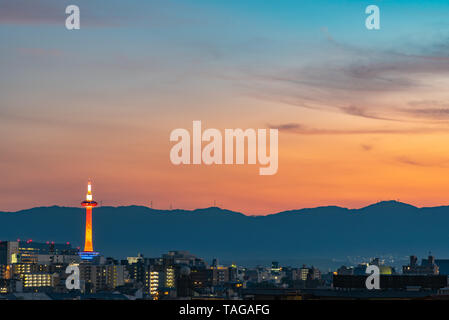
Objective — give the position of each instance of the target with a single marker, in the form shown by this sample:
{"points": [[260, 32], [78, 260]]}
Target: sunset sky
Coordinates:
{"points": [[363, 115]]}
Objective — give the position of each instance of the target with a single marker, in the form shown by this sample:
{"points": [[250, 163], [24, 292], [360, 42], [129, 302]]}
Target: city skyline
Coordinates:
{"points": [[31, 270]]}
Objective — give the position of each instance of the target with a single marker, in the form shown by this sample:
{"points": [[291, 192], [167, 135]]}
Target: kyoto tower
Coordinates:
{"points": [[89, 203]]}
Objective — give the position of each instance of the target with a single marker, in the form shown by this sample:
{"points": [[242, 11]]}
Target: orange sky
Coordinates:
{"points": [[362, 116]]}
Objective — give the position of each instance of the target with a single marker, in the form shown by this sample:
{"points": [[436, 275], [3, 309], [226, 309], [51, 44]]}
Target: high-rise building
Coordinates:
{"points": [[275, 269], [427, 267], [22, 252], [169, 277], [311, 273], [37, 280], [152, 282], [115, 275]]}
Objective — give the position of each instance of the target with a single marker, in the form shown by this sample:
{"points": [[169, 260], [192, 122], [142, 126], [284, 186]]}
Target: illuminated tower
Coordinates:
{"points": [[89, 203]]}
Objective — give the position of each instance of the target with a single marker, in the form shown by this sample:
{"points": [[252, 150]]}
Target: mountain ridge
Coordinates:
{"points": [[385, 203], [327, 232]]}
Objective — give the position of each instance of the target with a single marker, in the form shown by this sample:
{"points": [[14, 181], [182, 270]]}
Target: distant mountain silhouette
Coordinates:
{"points": [[322, 232]]}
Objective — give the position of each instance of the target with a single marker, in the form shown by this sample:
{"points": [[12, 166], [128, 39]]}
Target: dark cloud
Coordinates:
{"points": [[435, 109], [361, 112], [366, 147], [408, 161], [435, 113], [429, 103], [286, 126]]}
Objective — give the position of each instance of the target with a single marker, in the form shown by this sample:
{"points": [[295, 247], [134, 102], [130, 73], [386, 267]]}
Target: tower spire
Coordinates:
{"points": [[89, 191]]}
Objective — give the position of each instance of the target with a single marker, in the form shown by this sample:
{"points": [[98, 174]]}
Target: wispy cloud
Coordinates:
{"points": [[366, 147], [363, 83], [297, 128], [427, 109], [52, 12], [99, 13], [40, 52], [419, 163]]}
